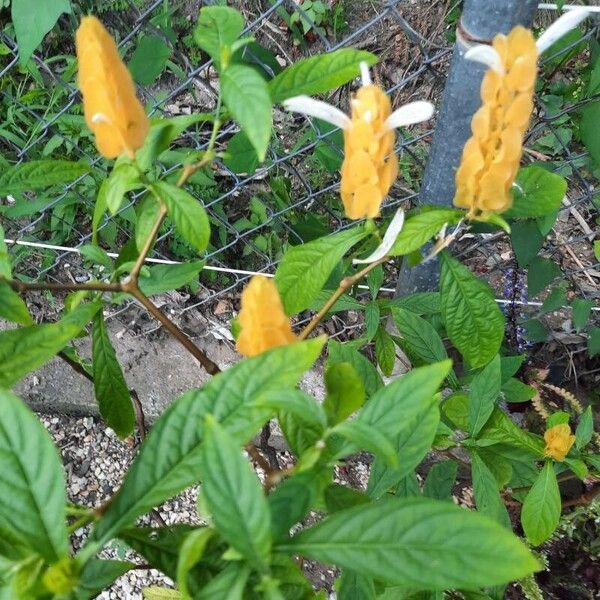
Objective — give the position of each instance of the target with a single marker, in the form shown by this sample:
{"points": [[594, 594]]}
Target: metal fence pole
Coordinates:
{"points": [[481, 20]]}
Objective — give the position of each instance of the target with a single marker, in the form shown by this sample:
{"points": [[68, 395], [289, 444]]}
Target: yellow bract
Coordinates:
{"points": [[491, 157], [111, 108], [559, 440], [370, 164], [262, 321]]}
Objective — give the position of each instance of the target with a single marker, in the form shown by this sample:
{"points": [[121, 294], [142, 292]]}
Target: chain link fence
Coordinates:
{"points": [[293, 197]]}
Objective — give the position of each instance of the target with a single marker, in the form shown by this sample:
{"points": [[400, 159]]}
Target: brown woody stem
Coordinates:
{"points": [[345, 284], [210, 367]]}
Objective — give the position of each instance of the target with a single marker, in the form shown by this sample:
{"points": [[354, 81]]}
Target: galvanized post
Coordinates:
{"points": [[481, 20]]}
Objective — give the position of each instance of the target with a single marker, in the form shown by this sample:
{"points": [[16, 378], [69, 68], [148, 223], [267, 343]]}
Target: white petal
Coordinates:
{"points": [[364, 73], [561, 26], [393, 230], [315, 108], [415, 112], [486, 55]]}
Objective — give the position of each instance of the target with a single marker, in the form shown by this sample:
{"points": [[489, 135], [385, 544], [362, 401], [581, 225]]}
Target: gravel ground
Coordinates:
{"points": [[95, 461]]}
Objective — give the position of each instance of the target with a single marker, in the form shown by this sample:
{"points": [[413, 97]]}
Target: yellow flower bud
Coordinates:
{"points": [[263, 324], [370, 165], [559, 440], [491, 157], [111, 108]]}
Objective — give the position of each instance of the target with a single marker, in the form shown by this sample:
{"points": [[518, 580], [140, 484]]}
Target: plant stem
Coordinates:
{"points": [[210, 367], [345, 284], [93, 286], [139, 263]]}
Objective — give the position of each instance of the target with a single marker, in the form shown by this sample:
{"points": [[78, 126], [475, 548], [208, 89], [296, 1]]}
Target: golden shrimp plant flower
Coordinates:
{"points": [[491, 157], [559, 441], [111, 108], [262, 320], [370, 164]]}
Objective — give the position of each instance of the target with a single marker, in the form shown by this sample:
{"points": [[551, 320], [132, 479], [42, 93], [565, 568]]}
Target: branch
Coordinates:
{"points": [[92, 286], [345, 284], [211, 367]]}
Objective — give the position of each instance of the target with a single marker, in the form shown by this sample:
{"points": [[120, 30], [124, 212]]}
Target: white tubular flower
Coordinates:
{"points": [[370, 164], [392, 232]]}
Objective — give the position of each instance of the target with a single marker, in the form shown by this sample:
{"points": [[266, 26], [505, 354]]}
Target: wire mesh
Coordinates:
{"points": [[293, 196]]}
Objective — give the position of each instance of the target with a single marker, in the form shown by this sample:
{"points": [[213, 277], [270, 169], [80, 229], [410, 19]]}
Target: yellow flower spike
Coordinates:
{"points": [[370, 164], [263, 323], [112, 110], [491, 157], [559, 440]]}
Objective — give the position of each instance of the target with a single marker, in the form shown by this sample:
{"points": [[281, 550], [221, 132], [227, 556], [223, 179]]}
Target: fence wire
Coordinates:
{"points": [[293, 197]]}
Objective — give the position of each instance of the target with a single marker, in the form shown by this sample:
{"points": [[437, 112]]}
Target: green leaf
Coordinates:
{"points": [[99, 574], [501, 429], [190, 553], [290, 501], [421, 303], [558, 418], [368, 438], [304, 269], [148, 59], [345, 353], [581, 312], [229, 584], [526, 241], [557, 298], [509, 365], [485, 490], [32, 20], [585, 429], [485, 389], [241, 156], [536, 193], [515, 390], [541, 510], [246, 95], [160, 546], [318, 74], [385, 351], [339, 497], [420, 228], [147, 212], [407, 412], [12, 307], [170, 458], [588, 129], [456, 408], [110, 386], [398, 540], [122, 179], [97, 255], [162, 133], [39, 175], [187, 213], [474, 322], [234, 496], [345, 392], [32, 494], [420, 336], [408, 487], [218, 27], [535, 331], [440, 480], [372, 319], [351, 586], [5, 269], [164, 278], [24, 350], [541, 272]]}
